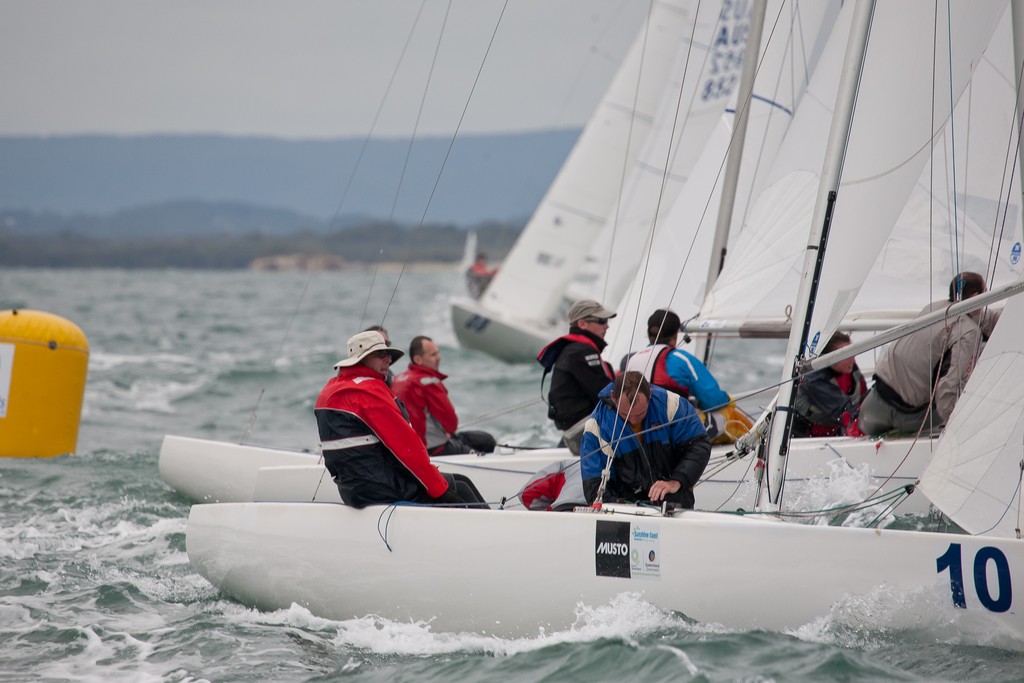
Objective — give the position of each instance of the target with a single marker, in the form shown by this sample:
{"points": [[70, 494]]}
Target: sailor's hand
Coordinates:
{"points": [[662, 488]]}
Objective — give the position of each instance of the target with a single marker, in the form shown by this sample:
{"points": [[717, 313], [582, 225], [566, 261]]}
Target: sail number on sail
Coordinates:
{"points": [[953, 561], [727, 50]]}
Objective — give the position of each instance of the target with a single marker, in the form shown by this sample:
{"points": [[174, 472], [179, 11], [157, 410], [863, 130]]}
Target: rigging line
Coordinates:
{"points": [[1009, 506], [650, 238], [1018, 122], [927, 419], [931, 166], [574, 84], [671, 149], [376, 116], [405, 165], [501, 411], [952, 129], [772, 110], [447, 154], [277, 355], [1014, 168], [718, 179], [739, 482], [629, 138], [337, 213]]}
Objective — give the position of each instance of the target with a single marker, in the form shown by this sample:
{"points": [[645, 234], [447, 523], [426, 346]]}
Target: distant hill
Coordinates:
{"points": [[289, 184], [169, 219]]}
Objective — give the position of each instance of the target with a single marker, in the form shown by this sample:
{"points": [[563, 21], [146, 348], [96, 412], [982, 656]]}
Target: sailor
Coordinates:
{"points": [[369, 448], [578, 373], [677, 370], [919, 377], [828, 400], [656, 442], [479, 275], [431, 413], [390, 376]]}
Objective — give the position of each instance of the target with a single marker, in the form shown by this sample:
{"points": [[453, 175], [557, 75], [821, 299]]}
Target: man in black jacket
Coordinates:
{"points": [[578, 373]]}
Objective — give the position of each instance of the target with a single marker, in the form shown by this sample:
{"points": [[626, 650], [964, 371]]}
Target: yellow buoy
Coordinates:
{"points": [[43, 362]]}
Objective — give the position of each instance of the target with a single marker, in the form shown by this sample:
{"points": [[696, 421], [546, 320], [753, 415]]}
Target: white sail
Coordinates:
{"points": [[692, 108], [673, 265], [975, 475], [572, 213], [946, 216]]}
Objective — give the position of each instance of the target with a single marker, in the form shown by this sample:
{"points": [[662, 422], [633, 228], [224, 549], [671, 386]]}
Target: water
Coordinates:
{"points": [[95, 583]]}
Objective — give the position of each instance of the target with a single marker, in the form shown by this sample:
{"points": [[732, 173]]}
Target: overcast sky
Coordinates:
{"points": [[305, 68]]}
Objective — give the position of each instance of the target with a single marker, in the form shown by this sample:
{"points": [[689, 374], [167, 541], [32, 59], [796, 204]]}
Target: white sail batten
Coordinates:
{"points": [[975, 475], [533, 276], [937, 233], [682, 240]]}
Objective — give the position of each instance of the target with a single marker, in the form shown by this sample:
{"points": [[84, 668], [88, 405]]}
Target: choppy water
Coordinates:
{"points": [[95, 584]]}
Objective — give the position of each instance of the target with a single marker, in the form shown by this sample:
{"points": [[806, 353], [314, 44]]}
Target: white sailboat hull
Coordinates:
{"points": [[483, 329], [213, 471], [513, 573]]}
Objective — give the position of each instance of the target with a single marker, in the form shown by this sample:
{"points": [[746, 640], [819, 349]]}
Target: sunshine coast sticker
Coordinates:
{"points": [[645, 552], [1015, 253], [628, 551]]}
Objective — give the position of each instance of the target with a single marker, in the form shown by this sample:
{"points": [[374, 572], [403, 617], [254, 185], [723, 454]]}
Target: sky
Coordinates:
{"points": [[306, 69]]}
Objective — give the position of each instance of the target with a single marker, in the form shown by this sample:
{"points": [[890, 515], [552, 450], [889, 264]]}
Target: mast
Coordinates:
{"points": [[735, 156], [776, 447], [1017, 24]]}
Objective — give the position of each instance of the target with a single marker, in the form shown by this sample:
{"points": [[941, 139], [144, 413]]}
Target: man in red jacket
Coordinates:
{"points": [[431, 413], [369, 448]]}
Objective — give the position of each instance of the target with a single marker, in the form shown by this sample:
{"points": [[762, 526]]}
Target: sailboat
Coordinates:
{"points": [[479, 570], [685, 47], [208, 471]]}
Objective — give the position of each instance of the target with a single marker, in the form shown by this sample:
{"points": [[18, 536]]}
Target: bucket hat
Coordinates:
{"points": [[363, 344]]}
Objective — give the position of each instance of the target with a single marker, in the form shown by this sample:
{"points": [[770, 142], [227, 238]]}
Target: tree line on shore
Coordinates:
{"points": [[370, 242]]}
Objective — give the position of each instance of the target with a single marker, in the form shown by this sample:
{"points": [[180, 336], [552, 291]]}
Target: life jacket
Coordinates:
{"points": [[657, 372], [572, 397], [369, 448], [549, 354]]}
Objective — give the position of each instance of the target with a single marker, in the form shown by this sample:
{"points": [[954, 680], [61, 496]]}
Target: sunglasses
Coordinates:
{"points": [[599, 321], [380, 354]]}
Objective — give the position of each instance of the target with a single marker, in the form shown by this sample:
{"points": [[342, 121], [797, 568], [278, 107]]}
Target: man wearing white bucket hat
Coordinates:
{"points": [[369, 447]]}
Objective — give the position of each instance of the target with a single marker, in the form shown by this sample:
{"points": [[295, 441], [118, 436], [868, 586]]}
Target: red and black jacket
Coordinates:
{"points": [[578, 374], [368, 445]]}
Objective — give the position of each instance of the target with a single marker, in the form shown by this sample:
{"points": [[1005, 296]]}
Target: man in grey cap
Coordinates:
{"points": [[368, 445], [578, 373]]}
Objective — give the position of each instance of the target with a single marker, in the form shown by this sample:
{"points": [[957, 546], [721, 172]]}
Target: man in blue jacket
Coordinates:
{"points": [[656, 442]]}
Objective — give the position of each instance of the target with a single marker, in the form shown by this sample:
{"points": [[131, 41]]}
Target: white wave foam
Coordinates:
{"points": [[841, 486], [100, 361], [625, 617], [144, 394], [889, 615]]}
